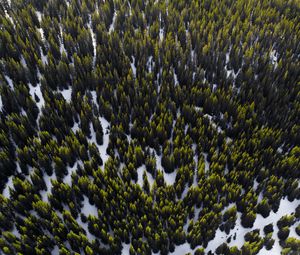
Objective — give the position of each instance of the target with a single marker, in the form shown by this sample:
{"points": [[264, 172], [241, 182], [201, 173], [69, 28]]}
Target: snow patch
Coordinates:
{"points": [[133, 67], [285, 208], [55, 250], [9, 184], [9, 81], [149, 64], [88, 209], [39, 15], [68, 178], [1, 103], [102, 148], [274, 57], [37, 91], [93, 42], [48, 183], [66, 93], [125, 249], [112, 25], [175, 77], [140, 172]]}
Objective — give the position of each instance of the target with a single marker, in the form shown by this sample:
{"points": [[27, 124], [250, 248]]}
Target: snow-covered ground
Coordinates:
{"points": [[48, 183], [9, 184], [68, 178], [37, 91], [140, 172], [93, 42], [1, 103], [102, 148], [112, 25], [133, 67], [9, 81], [285, 208], [66, 93], [88, 209]]}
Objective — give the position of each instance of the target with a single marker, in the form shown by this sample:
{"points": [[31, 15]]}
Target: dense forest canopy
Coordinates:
{"points": [[137, 127]]}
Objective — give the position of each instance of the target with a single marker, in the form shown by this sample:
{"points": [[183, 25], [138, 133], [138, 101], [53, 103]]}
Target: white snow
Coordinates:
{"points": [[55, 250], [161, 30], [161, 34], [75, 128], [206, 162], [44, 58], [170, 178], [9, 81], [48, 183], [1, 103], [274, 57], [125, 250], [175, 77], [16, 232], [68, 178], [149, 64], [112, 25], [37, 90], [93, 42], [285, 208], [67, 94], [85, 227], [140, 172], [133, 67], [102, 148], [9, 184], [41, 31], [88, 209], [39, 15], [182, 249]]}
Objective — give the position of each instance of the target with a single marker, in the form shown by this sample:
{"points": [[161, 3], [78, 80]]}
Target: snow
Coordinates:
{"points": [[274, 57], [16, 232], [133, 67], [285, 208], [102, 148], [67, 94], [68, 178], [48, 183], [88, 209], [85, 227], [140, 172], [182, 249], [149, 64], [206, 162], [55, 250], [170, 178], [1, 103], [61, 46], [125, 250], [175, 78], [112, 25], [41, 31], [37, 90], [39, 15], [161, 34], [179, 250], [75, 128], [161, 30], [9, 184], [93, 42], [44, 58], [9, 81]]}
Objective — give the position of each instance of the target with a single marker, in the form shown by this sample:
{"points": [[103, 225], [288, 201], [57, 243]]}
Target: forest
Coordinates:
{"points": [[149, 127]]}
